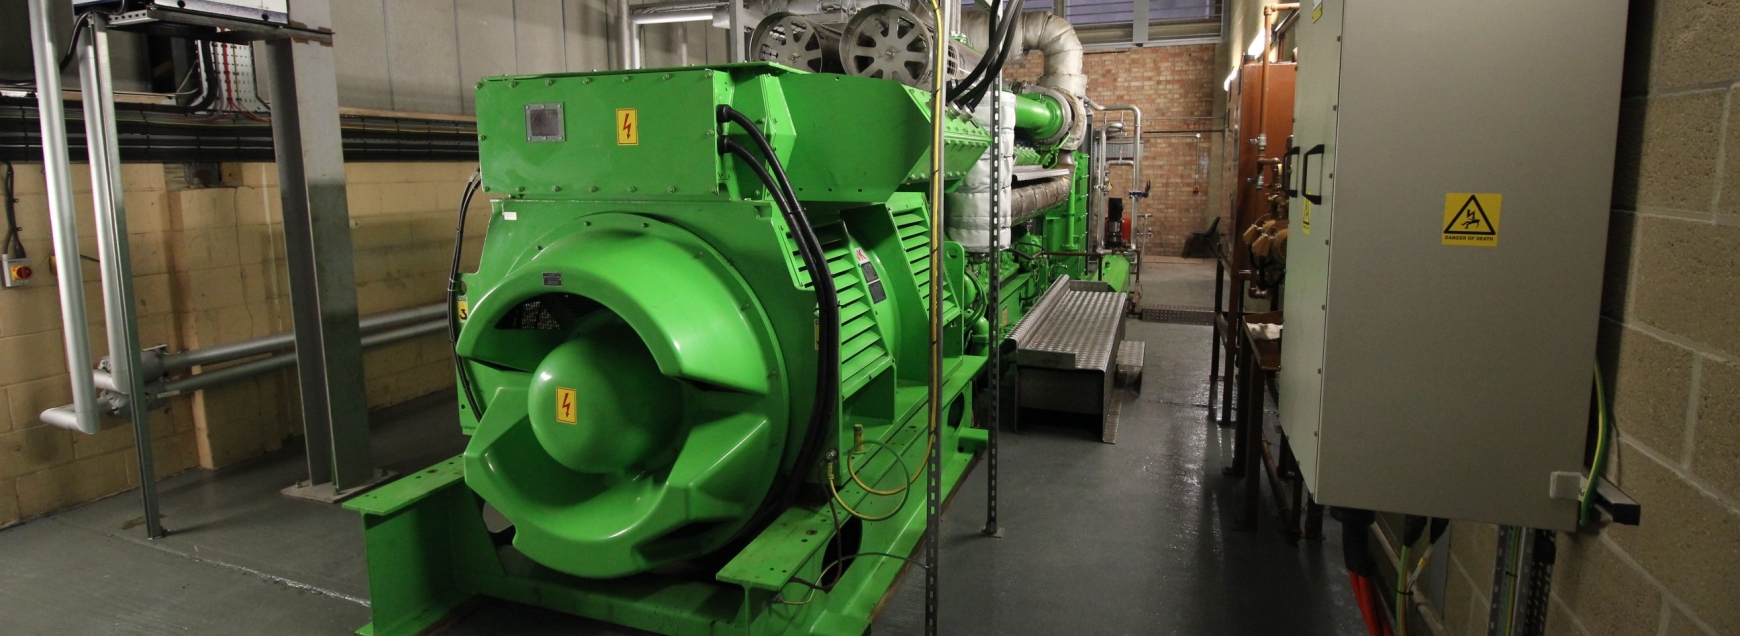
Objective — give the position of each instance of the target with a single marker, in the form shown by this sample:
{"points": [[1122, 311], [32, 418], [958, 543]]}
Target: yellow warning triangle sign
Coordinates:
{"points": [[1471, 219]]}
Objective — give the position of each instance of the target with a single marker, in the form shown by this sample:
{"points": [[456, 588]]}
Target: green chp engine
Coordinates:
{"points": [[659, 438]]}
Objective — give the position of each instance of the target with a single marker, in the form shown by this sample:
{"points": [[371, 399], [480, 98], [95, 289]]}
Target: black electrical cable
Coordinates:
{"points": [[970, 92], [1413, 527], [973, 97], [985, 73], [826, 396], [992, 37], [464, 374], [827, 382], [822, 409], [13, 246], [72, 46]]}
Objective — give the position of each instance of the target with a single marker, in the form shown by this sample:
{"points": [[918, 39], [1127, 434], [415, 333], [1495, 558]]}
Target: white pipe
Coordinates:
{"points": [[1048, 33], [1051, 35], [1054, 37], [207, 379], [1133, 210], [700, 15], [625, 40], [1062, 79], [64, 223]]}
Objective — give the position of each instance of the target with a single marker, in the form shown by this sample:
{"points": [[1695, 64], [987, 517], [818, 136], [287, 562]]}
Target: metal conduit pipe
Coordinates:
{"points": [[82, 414], [1135, 202], [226, 375], [278, 341], [700, 15], [625, 40]]}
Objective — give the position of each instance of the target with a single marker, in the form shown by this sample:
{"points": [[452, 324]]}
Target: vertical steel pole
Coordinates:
{"points": [[625, 44], [104, 152], [1215, 337], [734, 46], [62, 217], [310, 154], [1139, 32], [994, 305]]}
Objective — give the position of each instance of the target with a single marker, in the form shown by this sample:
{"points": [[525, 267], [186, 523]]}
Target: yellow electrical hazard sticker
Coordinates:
{"points": [[565, 405], [1471, 219], [627, 127], [461, 308], [1305, 225], [1316, 10]]}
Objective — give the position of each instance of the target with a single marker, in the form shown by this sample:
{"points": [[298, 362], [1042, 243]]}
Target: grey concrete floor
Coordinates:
{"points": [[1129, 538]]}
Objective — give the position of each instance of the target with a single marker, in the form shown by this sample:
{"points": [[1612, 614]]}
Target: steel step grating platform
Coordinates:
{"points": [[1130, 354], [1067, 349]]}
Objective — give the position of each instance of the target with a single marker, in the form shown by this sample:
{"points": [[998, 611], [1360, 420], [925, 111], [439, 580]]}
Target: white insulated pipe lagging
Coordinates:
{"points": [[969, 205], [970, 215], [1048, 33]]}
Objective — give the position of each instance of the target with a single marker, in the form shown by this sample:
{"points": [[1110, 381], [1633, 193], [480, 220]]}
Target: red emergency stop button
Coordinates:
{"points": [[21, 272]]}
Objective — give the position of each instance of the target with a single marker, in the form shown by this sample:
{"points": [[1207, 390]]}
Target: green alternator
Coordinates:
{"points": [[641, 342]]}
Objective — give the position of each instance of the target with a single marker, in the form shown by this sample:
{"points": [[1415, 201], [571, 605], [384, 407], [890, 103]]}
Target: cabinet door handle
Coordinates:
{"points": [[1287, 167], [1305, 175]]}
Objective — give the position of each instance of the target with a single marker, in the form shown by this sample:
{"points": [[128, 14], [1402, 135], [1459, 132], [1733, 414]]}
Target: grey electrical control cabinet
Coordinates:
{"points": [[1444, 269]]}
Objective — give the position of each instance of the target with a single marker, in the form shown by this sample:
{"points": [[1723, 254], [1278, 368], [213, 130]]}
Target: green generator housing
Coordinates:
{"points": [[640, 340]]}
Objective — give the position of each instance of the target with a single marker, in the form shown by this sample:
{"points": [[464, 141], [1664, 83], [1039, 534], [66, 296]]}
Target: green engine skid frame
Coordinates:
{"points": [[429, 552]]}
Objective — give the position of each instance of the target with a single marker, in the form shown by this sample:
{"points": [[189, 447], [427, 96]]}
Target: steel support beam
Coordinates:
{"points": [[734, 46], [1139, 25], [310, 154], [121, 313], [994, 366]]}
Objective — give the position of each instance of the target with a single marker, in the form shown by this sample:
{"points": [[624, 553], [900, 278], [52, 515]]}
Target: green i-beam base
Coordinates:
{"points": [[429, 551]]}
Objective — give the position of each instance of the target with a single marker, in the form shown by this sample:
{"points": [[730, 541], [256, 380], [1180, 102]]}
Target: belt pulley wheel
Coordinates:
{"points": [[798, 42], [888, 42]]}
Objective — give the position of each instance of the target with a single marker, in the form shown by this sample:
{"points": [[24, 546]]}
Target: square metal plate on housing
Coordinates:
{"points": [[544, 122]]}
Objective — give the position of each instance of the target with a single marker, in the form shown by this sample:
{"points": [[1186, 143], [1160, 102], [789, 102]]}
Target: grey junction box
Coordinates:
{"points": [[1445, 259]]}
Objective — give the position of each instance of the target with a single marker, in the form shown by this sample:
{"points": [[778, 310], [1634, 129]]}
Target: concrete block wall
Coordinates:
{"points": [[210, 269], [43, 468], [1669, 351], [1175, 87]]}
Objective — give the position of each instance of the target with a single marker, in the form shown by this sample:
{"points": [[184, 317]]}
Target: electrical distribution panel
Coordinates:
{"points": [[1454, 176]]}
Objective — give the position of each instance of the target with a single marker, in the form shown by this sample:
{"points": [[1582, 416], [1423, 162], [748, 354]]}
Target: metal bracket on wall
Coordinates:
{"points": [[1620, 507]]}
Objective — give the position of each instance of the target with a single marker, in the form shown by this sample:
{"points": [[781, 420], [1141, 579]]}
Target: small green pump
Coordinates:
{"points": [[641, 354]]}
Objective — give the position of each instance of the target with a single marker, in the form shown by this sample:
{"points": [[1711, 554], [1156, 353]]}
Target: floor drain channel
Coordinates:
{"points": [[1178, 315]]}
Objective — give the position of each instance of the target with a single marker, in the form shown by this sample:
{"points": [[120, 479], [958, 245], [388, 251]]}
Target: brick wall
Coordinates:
{"points": [[1670, 351], [209, 269], [1174, 87]]}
